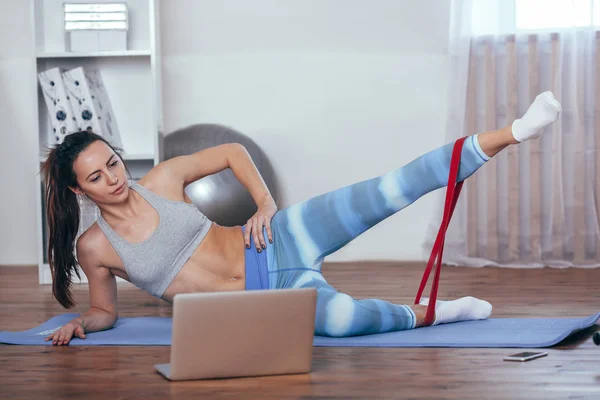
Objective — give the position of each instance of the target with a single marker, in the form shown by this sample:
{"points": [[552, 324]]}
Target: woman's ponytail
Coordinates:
{"points": [[62, 211]]}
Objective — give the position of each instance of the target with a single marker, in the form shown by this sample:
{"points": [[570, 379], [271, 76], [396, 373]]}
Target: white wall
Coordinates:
{"points": [[18, 137], [334, 91]]}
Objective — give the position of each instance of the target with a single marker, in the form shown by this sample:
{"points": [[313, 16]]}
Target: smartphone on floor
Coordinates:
{"points": [[525, 356]]}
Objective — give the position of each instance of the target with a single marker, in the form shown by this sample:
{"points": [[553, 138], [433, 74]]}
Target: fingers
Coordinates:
{"points": [[58, 339], [253, 227], [67, 338], [61, 339], [54, 337], [247, 233], [269, 234], [80, 333], [255, 230], [262, 221], [63, 336]]}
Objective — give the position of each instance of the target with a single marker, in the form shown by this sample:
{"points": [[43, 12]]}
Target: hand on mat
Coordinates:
{"points": [[254, 226], [63, 335]]}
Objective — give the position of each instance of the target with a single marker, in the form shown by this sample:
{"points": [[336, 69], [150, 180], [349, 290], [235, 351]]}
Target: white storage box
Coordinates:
{"points": [[59, 107], [89, 41], [91, 104], [93, 27]]}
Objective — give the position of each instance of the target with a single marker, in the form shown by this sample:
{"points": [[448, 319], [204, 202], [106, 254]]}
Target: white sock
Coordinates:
{"points": [[463, 309], [542, 112]]}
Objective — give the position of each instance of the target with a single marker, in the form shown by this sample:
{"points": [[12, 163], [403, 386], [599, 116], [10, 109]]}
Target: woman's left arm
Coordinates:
{"points": [[243, 168]]}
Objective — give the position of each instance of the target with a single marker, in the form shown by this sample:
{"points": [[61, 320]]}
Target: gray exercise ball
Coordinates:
{"points": [[221, 197]]}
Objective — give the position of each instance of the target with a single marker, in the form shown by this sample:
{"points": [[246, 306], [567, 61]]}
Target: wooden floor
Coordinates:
{"points": [[572, 369]]}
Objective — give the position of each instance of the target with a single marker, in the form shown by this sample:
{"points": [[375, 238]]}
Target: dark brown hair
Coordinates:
{"points": [[62, 210]]}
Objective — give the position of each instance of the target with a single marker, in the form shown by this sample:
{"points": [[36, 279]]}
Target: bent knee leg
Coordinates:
{"points": [[335, 313], [340, 315]]}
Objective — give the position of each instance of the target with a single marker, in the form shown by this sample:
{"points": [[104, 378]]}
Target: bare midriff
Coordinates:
{"points": [[217, 264]]}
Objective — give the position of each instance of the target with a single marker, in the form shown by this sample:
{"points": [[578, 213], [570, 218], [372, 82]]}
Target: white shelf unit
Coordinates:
{"points": [[132, 78], [118, 53]]}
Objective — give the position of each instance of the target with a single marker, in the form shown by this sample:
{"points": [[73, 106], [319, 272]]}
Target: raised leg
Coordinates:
{"points": [[325, 223]]}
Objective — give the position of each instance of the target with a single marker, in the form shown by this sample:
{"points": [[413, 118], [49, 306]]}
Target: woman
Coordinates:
{"points": [[148, 234]]}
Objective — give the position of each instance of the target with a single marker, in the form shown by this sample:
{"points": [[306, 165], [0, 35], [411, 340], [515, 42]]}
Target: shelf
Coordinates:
{"points": [[120, 53], [132, 79], [142, 157], [126, 157]]}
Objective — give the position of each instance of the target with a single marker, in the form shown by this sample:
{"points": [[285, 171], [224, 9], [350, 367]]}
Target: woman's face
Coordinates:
{"points": [[101, 174]]}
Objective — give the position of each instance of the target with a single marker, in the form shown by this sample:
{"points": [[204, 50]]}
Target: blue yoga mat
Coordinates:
{"points": [[493, 332]]}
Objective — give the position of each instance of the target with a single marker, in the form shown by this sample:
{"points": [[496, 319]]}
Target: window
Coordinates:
{"points": [[509, 16]]}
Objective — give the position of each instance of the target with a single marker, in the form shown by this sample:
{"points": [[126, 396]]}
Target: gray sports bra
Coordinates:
{"points": [[153, 264]]}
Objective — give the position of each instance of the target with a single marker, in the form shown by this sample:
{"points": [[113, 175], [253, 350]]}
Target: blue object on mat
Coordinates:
{"points": [[493, 332]]}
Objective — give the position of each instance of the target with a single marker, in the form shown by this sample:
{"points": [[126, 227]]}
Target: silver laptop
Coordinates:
{"points": [[241, 333]]}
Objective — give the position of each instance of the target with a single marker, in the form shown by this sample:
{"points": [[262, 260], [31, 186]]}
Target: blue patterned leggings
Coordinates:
{"points": [[305, 233]]}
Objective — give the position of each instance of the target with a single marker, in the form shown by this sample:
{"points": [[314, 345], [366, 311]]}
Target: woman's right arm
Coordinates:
{"points": [[102, 283]]}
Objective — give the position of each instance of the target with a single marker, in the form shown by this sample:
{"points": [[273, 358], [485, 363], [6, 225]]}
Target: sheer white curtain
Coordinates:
{"points": [[535, 204]]}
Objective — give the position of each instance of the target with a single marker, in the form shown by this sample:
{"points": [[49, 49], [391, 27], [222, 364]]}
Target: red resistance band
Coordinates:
{"points": [[452, 193]]}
